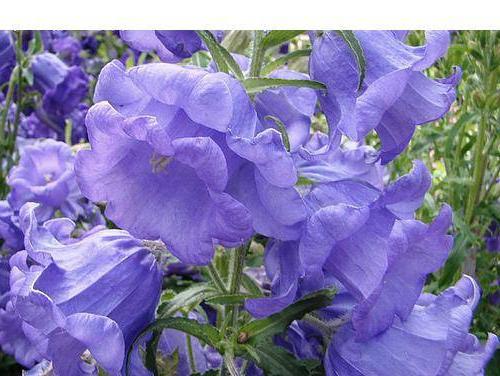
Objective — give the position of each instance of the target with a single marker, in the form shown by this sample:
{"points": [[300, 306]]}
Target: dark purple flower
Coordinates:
{"points": [[45, 175], [116, 295], [147, 41], [170, 45], [63, 87], [7, 56], [492, 237], [433, 340], [395, 97], [68, 49], [32, 127]]}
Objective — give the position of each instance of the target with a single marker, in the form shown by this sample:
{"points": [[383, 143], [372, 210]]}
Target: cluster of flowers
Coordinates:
{"points": [[183, 154], [59, 77]]}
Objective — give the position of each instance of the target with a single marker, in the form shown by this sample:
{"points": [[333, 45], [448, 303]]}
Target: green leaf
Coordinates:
{"points": [[355, 46], [282, 129], [28, 76], [277, 37], [223, 59], [273, 65], [275, 360], [230, 299], [36, 44], [256, 85], [204, 332], [151, 348], [260, 330], [304, 181], [188, 298]]}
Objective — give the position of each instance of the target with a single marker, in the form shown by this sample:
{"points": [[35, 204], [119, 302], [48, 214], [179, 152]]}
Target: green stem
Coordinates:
{"points": [[192, 363], [216, 279], [469, 266], [237, 264], [478, 173], [257, 54], [8, 101]]}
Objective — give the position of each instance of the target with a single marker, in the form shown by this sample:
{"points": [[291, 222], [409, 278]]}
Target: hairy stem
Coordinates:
{"points": [[257, 54]]}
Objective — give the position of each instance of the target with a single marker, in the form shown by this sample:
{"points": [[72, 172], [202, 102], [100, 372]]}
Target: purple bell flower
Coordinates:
{"points": [[186, 127], [433, 340], [396, 96], [63, 87], [116, 295], [45, 175]]}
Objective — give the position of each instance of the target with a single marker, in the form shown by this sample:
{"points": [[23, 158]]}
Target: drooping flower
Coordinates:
{"points": [[116, 295], [7, 56], [45, 175], [433, 340], [63, 87], [395, 97]]}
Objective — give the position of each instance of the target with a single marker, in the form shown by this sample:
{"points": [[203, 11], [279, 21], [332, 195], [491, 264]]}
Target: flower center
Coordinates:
{"points": [[48, 177], [159, 162]]}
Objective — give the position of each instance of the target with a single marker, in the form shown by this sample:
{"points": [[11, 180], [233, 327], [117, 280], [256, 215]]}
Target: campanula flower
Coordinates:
{"points": [[116, 295], [395, 96], [63, 87]]}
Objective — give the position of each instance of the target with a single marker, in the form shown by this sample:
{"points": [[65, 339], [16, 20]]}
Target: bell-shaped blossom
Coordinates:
{"points": [[395, 97], [433, 340], [63, 87], [45, 174], [190, 220], [187, 127], [367, 240], [415, 250], [350, 224], [170, 45], [7, 56], [116, 295]]}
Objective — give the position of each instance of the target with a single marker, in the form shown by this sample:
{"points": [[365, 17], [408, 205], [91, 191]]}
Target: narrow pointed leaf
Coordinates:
{"points": [[223, 59], [275, 64], [230, 299], [277, 37], [260, 330], [186, 299], [275, 360], [256, 85]]}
